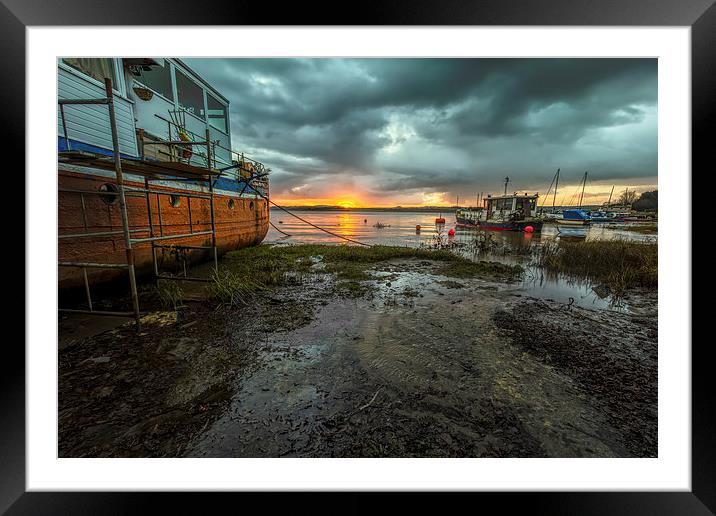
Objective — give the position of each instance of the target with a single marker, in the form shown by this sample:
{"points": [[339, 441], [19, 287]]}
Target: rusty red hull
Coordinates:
{"points": [[240, 222]]}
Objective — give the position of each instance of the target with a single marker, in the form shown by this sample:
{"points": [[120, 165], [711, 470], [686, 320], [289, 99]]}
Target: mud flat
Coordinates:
{"points": [[374, 354]]}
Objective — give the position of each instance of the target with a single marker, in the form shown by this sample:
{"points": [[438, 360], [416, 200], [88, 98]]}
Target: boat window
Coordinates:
{"points": [[217, 114], [111, 197], [96, 68], [191, 96], [159, 79]]}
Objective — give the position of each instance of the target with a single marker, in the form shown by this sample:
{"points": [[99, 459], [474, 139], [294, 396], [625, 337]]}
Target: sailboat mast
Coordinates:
{"points": [[610, 197], [584, 184], [507, 180], [556, 184]]}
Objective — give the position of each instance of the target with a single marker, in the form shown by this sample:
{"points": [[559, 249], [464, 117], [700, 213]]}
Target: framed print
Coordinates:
{"points": [[421, 252]]}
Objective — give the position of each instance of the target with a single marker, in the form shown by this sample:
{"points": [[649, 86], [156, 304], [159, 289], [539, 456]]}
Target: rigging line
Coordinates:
{"points": [[274, 226], [312, 224], [549, 190]]}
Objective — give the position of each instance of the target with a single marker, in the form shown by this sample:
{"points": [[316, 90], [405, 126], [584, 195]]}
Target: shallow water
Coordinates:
{"points": [[359, 225], [508, 246]]}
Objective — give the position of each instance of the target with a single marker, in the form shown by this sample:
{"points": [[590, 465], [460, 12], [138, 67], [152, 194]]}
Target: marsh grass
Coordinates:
{"points": [[470, 269], [248, 271], [619, 264], [232, 289], [167, 293]]}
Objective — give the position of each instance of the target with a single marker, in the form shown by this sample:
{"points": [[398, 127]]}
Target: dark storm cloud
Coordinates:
{"points": [[401, 125]]}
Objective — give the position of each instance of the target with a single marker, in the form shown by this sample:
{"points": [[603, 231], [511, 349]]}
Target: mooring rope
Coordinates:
{"points": [[274, 226], [311, 223]]}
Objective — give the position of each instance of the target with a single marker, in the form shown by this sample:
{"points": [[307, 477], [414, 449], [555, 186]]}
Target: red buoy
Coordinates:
{"points": [[529, 229], [451, 232]]}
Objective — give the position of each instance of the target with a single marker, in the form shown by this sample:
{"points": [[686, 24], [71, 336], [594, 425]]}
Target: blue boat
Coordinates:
{"points": [[574, 218]]}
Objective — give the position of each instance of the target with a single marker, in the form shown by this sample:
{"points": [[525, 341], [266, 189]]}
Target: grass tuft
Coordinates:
{"points": [[232, 289], [470, 269], [620, 264]]}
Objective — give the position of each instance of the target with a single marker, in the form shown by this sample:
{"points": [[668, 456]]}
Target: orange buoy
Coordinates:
{"points": [[417, 228], [440, 220]]}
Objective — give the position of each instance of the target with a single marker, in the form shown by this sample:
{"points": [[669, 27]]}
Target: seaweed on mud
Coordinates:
{"points": [[129, 394], [613, 362], [414, 425]]}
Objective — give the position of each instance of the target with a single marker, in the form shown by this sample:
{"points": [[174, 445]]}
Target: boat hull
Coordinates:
{"points": [[572, 222], [240, 222], [465, 222], [518, 225]]}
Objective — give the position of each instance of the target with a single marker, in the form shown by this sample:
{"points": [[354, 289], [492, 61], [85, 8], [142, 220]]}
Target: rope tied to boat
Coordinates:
{"points": [[310, 223], [280, 231]]}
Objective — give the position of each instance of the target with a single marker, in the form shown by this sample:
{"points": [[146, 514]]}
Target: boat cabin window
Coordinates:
{"points": [[217, 114], [503, 204], [191, 95], [158, 79], [96, 68]]}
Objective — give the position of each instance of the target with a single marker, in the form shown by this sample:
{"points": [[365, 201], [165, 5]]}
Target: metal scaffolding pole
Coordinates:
{"points": [[124, 191], [122, 201], [211, 201]]}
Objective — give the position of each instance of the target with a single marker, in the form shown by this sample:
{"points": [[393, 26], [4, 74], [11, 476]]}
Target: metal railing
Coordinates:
{"points": [[129, 252], [147, 192]]}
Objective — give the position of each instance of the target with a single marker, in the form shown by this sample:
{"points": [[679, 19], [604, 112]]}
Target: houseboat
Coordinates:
{"points": [[514, 212], [188, 194]]}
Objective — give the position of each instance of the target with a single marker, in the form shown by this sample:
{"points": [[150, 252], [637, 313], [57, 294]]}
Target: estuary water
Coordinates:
{"points": [[399, 228]]}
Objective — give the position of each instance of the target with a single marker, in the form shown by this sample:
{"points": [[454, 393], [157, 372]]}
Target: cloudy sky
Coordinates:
{"points": [[387, 132]]}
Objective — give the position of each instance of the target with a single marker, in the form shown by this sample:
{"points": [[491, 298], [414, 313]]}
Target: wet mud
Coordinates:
{"points": [[411, 363]]}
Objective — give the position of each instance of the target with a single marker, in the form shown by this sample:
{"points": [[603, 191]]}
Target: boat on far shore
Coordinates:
{"points": [[574, 218], [514, 212]]}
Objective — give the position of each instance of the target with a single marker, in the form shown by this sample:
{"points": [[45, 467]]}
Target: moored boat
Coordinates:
{"points": [[146, 142], [503, 213], [600, 216], [468, 217], [574, 218]]}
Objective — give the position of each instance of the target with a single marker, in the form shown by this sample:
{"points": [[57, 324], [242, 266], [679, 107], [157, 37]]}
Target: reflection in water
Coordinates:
{"points": [[399, 228]]}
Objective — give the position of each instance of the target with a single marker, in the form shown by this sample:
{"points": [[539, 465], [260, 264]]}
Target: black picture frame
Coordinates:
{"points": [[700, 15]]}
